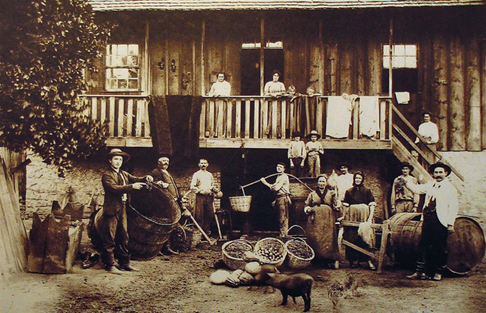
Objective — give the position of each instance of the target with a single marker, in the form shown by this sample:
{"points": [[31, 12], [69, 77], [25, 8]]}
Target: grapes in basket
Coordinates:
{"points": [[299, 249], [237, 249]]}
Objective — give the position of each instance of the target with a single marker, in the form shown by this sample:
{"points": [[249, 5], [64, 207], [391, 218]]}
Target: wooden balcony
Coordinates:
{"points": [[264, 122], [127, 118], [255, 122]]}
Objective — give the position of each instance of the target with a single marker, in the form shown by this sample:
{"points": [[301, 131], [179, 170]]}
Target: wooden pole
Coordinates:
{"points": [[483, 91], [390, 64], [148, 85], [203, 74], [262, 56]]}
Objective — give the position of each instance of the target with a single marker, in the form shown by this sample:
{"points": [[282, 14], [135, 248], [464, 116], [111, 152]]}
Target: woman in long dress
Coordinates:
{"points": [[322, 206], [359, 206]]}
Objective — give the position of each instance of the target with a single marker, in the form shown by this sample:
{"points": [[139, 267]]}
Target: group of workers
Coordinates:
{"points": [[118, 184]]}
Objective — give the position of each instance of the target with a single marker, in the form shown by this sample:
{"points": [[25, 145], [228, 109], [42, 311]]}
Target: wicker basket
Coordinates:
{"points": [[239, 245], [269, 246], [298, 261], [240, 203]]}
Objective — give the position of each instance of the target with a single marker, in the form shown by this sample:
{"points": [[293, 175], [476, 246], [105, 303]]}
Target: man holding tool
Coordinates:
{"points": [[282, 201]]}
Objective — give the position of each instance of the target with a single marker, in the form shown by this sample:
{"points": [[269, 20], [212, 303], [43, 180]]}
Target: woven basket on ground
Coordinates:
{"points": [[240, 203], [271, 251], [299, 253], [233, 253]]}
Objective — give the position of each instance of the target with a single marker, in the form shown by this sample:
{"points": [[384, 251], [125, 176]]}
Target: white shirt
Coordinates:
{"points": [[203, 180], [445, 195], [220, 89], [344, 182], [429, 131]]}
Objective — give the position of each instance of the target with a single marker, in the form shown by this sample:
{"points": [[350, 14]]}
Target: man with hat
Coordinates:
{"points": [[296, 154], [163, 178], [403, 199], [112, 230], [438, 215], [314, 149]]}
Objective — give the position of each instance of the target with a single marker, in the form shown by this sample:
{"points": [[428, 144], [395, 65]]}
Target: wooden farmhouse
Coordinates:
{"points": [[390, 60]]}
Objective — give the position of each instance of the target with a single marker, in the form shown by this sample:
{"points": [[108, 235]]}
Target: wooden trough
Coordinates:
{"points": [[53, 244]]}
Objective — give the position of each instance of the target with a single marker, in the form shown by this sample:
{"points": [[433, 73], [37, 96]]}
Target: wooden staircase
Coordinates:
{"points": [[404, 149]]}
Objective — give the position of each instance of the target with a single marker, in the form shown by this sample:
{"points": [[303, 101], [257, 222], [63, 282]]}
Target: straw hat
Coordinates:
{"points": [[118, 152], [314, 132]]}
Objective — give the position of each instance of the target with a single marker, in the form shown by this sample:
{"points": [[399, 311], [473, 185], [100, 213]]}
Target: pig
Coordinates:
{"points": [[296, 285]]}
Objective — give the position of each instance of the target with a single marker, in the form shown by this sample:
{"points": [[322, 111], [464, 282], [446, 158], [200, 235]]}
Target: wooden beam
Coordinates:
{"points": [[457, 112], [390, 51], [254, 143], [262, 56]]}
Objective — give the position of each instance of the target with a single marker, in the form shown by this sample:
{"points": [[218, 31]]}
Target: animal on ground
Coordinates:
{"points": [[294, 285]]}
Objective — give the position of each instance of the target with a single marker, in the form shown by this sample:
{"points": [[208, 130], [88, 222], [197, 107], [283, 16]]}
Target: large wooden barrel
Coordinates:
{"points": [[152, 216], [466, 246], [322, 233]]}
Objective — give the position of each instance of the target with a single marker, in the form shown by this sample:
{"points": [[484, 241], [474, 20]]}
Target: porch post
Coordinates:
{"points": [[147, 82], [390, 53], [262, 54], [203, 74]]}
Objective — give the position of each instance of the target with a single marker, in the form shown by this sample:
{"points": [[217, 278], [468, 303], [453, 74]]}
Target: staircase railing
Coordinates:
{"points": [[423, 158]]}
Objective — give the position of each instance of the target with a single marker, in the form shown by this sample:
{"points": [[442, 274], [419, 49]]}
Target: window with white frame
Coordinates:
{"points": [[122, 67], [403, 56], [404, 67]]}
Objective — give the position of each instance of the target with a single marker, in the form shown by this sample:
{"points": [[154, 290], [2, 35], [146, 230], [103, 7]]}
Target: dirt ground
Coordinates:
{"points": [[180, 283]]}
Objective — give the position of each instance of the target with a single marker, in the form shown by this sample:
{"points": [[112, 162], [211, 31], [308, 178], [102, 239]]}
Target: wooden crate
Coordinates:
{"points": [[53, 244]]}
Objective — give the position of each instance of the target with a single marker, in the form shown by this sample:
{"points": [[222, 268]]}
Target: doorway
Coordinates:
{"points": [[250, 68]]}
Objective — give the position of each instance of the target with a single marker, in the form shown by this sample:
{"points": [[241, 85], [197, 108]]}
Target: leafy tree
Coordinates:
{"points": [[47, 45]]}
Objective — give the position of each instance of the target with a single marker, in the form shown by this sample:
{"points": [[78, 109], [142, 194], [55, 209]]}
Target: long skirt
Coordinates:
{"points": [[356, 213]]}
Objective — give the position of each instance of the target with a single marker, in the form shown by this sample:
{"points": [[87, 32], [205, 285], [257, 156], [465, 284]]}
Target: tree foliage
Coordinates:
{"points": [[46, 47]]}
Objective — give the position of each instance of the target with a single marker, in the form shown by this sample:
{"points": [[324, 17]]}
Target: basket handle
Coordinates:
{"points": [[296, 226]]}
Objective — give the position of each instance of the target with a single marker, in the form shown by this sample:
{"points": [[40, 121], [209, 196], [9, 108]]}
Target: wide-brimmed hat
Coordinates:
{"points": [[446, 167], [406, 164], [343, 164], [118, 152], [313, 132]]}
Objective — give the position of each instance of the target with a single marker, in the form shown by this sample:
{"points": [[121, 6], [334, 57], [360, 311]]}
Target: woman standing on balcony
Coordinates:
{"points": [[274, 88]]}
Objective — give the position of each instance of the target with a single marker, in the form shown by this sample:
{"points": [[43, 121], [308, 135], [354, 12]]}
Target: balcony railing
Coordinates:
{"points": [[127, 117], [261, 122]]}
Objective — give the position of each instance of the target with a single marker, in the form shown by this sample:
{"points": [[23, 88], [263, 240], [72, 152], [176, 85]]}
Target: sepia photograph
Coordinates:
{"points": [[238, 156]]}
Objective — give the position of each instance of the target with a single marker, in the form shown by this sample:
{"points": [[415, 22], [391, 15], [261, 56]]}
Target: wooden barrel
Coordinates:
{"points": [[466, 246], [322, 233], [406, 229], [152, 216]]}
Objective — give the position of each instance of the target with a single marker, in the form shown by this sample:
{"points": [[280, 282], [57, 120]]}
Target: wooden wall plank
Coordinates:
{"points": [[375, 66], [256, 118], [121, 118], [457, 110], [238, 120], [483, 92], [473, 92], [440, 92], [112, 116]]}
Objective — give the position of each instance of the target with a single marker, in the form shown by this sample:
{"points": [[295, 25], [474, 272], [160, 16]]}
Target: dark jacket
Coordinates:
{"points": [[114, 189]]}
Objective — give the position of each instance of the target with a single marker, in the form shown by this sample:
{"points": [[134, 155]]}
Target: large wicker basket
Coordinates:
{"points": [[233, 247], [271, 251], [240, 203], [299, 253]]}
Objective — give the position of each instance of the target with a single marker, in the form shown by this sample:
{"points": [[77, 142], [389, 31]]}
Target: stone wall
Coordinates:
{"points": [[45, 186]]}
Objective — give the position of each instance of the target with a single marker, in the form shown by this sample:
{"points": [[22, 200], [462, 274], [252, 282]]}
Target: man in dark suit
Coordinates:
{"points": [[163, 178], [117, 185]]}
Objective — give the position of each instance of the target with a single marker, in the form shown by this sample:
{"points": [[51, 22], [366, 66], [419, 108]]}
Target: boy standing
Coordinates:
{"points": [[314, 149], [296, 155]]}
